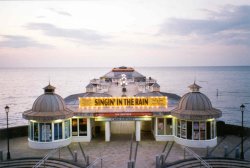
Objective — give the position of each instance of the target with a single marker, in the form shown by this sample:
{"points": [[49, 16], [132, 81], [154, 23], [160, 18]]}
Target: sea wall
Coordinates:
{"points": [[14, 132], [229, 129]]}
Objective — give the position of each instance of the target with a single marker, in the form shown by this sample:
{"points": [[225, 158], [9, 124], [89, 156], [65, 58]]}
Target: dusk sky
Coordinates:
{"points": [[111, 33]]}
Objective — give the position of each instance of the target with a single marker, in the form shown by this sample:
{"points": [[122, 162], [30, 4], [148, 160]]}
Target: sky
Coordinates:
{"points": [[111, 33]]}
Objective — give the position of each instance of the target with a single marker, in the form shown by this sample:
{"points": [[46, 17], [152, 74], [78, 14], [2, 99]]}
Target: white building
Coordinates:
{"points": [[189, 121]]}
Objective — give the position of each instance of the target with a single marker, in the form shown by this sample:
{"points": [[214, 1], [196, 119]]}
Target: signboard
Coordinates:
{"points": [[122, 101], [124, 119], [123, 114]]}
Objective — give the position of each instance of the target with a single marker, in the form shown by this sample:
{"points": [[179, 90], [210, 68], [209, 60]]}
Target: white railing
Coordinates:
{"points": [[203, 162], [46, 157]]}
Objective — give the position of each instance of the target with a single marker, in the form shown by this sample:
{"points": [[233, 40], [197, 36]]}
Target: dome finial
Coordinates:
{"points": [[194, 87], [49, 89]]}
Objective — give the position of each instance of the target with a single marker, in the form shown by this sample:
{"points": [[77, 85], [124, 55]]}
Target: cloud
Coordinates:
{"points": [[14, 41], [230, 25], [60, 12], [82, 35]]}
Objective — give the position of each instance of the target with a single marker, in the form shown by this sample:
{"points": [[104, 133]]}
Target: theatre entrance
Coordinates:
{"points": [[112, 129]]}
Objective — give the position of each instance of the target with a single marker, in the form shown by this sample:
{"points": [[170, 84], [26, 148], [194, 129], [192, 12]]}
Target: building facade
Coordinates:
{"points": [[122, 102]]}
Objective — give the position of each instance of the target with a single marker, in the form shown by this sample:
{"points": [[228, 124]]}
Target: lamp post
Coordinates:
{"points": [[242, 108], [8, 144]]}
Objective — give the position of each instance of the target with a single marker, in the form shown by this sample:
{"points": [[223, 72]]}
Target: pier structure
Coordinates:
{"points": [[123, 101]]}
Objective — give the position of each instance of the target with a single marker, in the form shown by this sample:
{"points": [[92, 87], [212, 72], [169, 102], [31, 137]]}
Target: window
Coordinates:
{"points": [[57, 131], [212, 129], [83, 127], [31, 131], [36, 132], [208, 130], [202, 131], [168, 126], [183, 129], [160, 126], [178, 128], [74, 127], [67, 129], [196, 133], [45, 132], [189, 130]]}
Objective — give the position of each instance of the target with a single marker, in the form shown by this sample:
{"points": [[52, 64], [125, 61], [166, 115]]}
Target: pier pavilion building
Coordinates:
{"points": [[122, 102]]}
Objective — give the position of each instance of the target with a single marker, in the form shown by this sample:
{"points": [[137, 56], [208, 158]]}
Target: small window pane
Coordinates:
{"points": [[160, 126], [208, 130], [74, 127], [36, 131], [189, 130], [196, 132], [83, 127], [67, 129]]}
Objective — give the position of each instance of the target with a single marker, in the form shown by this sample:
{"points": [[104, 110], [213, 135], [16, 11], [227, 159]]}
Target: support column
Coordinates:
{"points": [[174, 126], [138, 130], [89, 130], [107, 131]]}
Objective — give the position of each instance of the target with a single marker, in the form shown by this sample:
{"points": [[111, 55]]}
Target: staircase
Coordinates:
{"points": [[30, 162], [213, 162]]}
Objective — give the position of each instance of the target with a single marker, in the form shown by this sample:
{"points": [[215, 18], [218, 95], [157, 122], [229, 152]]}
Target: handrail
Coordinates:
{"points": [[198, 157], [46, 157]]}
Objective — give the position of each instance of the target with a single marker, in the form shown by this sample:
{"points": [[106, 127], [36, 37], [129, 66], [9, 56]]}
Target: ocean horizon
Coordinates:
{"points": [[226, 86]]}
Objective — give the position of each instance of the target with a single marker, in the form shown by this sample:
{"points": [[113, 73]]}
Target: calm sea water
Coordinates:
{"points": [[21, 86]]}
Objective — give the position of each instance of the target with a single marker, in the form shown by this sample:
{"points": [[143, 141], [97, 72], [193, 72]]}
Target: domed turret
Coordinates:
{"points": [[49, 101], [195, 100], [195, 105], [49, 106]]}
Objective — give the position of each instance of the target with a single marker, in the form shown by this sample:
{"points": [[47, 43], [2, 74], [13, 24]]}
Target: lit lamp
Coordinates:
{"points": [[242, 108], [7, 109]]}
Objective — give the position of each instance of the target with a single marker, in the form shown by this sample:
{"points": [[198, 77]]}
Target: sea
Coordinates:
{"points": [[227, 87]]}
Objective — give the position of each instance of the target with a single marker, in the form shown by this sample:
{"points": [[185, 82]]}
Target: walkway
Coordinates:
{"points": [[116, 152]]}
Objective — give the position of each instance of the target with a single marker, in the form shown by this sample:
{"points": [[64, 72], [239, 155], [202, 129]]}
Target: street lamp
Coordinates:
{"points": [[242, 108], [7, 109]]}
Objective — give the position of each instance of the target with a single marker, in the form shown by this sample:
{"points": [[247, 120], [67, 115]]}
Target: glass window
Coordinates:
{"points": [[36, 132], [45, 132], [67, 129], [196, 133], [168, 126], [202, 131], [57, 131], [178, 128], [83, 127], [212, 129], [74, 127], [208, 130], [189, 130], [183, 129], [160, 126]]}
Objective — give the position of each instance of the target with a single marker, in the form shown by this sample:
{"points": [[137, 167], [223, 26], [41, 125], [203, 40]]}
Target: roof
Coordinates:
{"points": [[156, 85], [123, 69], [117, 75], [195, 106], [48, 106], [90, 85]]}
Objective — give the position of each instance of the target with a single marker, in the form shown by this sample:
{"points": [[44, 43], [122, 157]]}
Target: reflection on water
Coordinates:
{"points": [[20, 87]]}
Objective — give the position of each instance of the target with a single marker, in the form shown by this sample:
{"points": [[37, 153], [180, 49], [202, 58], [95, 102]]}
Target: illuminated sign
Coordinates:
{"points": [[124, 119], [123, 114], [122, 101]]}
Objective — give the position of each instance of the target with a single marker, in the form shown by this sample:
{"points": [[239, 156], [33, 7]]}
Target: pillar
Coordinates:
{"points": [[107, 131], [138, 130], [89, 130]]}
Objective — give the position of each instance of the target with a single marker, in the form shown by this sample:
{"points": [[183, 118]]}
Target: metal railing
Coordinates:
{"points": [[203, 162], [46, 157]]}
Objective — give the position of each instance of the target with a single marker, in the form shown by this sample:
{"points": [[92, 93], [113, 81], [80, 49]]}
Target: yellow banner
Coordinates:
{"points": [[122, 101]]}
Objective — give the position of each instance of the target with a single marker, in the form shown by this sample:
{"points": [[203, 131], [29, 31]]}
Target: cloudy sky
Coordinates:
{"points": [[108, 33]]}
